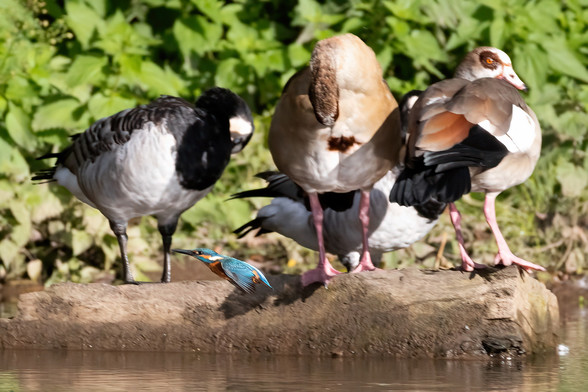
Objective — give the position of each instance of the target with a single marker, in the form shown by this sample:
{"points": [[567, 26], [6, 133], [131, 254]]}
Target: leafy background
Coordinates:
{"points": [[65, 64]]}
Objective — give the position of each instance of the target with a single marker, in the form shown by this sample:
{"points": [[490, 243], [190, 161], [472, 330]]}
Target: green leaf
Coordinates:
{"points": [[86, 69], [20, 89], [573, 179], [530, 63], [101, 106], [5, 150], [81, 241], [20, 234], [298, 55], [95, 222], [308, 11], [8, 252], [20, 211], [160, 81], [100, 6], [44, 204], [244, 38], [84, 21], [562, 59], [497, 29], [18, 126], [59, 114], [196, 35], [120, 37], [210, 8], [15, 166], [405, 9], [225, 74]]}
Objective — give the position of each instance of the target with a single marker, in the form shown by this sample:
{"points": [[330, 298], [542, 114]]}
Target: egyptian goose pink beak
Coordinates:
{"points": [[471, 133], [336, 128]]}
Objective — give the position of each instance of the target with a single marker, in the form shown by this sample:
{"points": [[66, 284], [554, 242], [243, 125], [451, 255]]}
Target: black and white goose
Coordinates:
{"points": [[471, 133], [157, 159], [391, 226]]}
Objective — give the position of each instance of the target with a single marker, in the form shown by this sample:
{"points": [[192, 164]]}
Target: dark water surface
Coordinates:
{"points": [[36, 370]]}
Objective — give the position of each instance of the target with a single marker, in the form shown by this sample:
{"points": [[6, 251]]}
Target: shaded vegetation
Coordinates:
{"points": [[65, 64]]}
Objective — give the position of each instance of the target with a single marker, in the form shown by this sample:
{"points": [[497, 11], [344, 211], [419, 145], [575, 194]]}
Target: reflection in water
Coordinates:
{"points": [[34, 370]]}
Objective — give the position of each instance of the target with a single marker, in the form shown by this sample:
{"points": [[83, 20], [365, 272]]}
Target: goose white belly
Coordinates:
{"points": [[134, 179], [391, 226], [322, 170]]}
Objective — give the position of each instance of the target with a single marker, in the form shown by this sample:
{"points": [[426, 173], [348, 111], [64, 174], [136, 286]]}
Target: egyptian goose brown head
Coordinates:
{"points": [[488, 62], [336, 128], [471, 133]]}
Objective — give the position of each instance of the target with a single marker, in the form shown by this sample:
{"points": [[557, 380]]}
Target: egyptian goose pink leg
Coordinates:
{"points": [[504, 256], [467, 264], [324, 271], [365, 263]]}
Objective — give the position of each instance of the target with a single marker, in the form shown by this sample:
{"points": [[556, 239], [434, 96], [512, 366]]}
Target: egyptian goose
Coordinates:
{"points": [[472, 133], [336, 128], [240, 274], [391, 226], [157, 159]]}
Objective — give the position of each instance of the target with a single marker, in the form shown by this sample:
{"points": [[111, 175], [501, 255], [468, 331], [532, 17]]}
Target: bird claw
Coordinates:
{"points": [[469, 265], [321, 275], [364, 265], [508, 258]]}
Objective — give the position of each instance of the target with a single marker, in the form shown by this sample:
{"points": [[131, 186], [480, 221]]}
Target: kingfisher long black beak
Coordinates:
{"points": [[184, 251]]}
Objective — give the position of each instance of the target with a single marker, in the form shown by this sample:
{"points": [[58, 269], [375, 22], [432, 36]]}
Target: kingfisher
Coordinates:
{"points": [[241, 274]]}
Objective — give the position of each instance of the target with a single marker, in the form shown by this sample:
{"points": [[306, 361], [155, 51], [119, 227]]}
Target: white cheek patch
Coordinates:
{"points": [[240, 126], [521, 133], [214, 258]]}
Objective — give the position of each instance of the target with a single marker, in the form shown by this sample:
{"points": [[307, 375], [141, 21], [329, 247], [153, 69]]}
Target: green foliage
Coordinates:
{"points": [[63, 65]]}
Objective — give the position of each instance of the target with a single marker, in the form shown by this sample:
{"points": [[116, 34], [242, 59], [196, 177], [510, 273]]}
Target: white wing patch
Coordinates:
{"points": [[434, 100], [488, 126], [521, 133]]}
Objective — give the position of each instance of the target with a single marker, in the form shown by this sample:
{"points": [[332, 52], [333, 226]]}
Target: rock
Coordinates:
{"points": [[405, 313]]}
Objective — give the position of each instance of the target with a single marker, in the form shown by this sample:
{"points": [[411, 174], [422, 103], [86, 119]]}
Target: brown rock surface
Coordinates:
{"points": [[407, 313]]}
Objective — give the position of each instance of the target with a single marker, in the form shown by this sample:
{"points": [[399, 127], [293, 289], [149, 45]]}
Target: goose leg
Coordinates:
{"points": [[365, 263], [167, 231], [120, 231], [467, 264], [504, 256], [324, 271]]}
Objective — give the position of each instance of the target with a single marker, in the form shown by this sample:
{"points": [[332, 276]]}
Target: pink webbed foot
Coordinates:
{"points": [[319, 274], [507, 258], [365, 264]]}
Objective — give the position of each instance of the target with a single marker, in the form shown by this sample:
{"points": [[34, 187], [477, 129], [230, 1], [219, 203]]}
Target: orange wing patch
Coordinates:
{"points": [[218, 269], [255, 278], [443, 131]]}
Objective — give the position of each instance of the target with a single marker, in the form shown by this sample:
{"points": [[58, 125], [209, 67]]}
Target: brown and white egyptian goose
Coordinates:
{"points": [[471, 133], [336, 128]]}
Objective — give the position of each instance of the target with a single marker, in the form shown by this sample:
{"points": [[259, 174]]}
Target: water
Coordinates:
{"points": [[36, 370]]}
